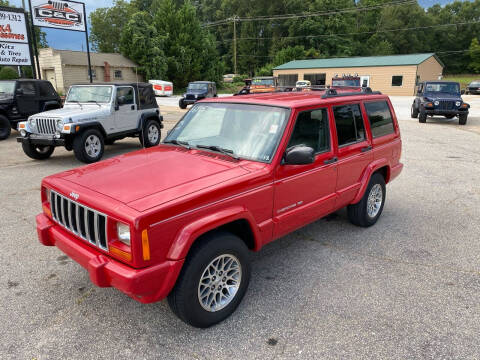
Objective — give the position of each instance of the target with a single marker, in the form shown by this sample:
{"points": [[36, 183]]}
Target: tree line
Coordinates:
{"points": [[181, 40]]}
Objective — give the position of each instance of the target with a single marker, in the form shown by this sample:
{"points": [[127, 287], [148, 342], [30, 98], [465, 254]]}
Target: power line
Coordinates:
{"points": [[312, 14], [353, 33]]}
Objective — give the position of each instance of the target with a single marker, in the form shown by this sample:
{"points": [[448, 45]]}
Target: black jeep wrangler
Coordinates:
{"points": [[439, 98], [197, 90], [21, 98]]}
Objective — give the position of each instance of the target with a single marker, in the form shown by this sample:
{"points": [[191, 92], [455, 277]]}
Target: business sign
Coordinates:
{"points": [[14, 47], [67, 15]]}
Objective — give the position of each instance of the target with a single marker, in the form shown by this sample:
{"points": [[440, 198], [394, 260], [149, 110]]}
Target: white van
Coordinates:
{"points": [[162, 88]]}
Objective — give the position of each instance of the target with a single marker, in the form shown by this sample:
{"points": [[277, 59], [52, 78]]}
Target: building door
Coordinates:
{"points": [[49, 74], [315, 79]]}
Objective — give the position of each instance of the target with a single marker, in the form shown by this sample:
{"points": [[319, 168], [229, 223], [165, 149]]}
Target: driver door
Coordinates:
{"points": [[304, 193], [125, 114], [27, 98]]}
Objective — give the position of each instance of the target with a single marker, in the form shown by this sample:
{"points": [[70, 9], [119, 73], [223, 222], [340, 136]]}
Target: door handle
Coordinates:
{"points": [[367, 148], [331, 161]]}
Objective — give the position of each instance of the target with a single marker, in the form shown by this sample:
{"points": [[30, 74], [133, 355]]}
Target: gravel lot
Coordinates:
{"points": [[406, 288]]}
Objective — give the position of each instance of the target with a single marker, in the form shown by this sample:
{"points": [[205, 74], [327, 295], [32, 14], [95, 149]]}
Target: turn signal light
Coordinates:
{"points": [[464, 105], [21, 126], [145, 245], [123, 254], [429, 105]]}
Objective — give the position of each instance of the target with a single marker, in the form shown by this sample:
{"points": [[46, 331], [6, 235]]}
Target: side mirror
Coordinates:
{"points": [[462, 92], [121, 100], [299, 155]]}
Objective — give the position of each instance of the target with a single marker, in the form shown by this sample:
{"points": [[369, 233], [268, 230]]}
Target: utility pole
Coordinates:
{"points": [[235, 44]]}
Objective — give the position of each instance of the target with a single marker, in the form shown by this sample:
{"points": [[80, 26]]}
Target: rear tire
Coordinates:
{"points": [[182, 104], [37, 152], [150, 136], [414, 112], [422, 117], [462, 119], [366, 212], [5, 128], [213, 280], [88, 146]]}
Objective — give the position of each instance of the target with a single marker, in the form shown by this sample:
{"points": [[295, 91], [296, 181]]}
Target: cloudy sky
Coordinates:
{"points": [[72, 40]]}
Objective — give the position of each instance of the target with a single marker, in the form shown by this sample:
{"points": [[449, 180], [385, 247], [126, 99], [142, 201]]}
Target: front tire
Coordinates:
{"points": [[414, 112], [37, 152], [366, 212], [5, 128], [213, 280], [422, 116], [88, 147], [462, 119], [150, 136]]}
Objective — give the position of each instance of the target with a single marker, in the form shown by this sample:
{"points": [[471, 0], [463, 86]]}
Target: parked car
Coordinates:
{"points": [[21, 98], [303, 84], [94, 115], [197, 90], [439, 98], [234, 174], [473, 88], [162, 88], [228, 78]]}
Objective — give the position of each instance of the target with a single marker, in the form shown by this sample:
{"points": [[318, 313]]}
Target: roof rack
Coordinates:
{"points": [[365, 91]]}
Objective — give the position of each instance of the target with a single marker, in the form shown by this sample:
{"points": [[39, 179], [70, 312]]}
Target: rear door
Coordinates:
{"points": [[304, 193], [27, 99], [354, 150], [126, 113]]}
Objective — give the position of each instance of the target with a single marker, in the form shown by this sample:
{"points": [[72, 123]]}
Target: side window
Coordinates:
{"points": [[380, 118], [311, 129], [349, 124], [127, 93], [27, 87], [46, 89]]}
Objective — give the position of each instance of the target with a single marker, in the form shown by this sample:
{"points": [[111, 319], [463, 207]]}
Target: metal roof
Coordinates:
{"points": [[391, 60]]}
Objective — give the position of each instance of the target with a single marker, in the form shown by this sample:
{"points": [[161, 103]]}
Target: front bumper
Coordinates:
{"points": [[434, 111], [41, 140], [144, 285]]}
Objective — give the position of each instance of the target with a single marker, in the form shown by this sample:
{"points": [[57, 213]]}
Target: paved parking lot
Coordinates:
{"points": [[406, 288]]}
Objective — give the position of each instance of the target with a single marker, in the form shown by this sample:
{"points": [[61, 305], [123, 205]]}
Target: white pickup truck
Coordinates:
{"points": [[94, 115]]}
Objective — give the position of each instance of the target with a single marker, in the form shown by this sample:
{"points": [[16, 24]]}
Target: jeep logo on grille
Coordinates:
{"points": [[58, 14], [74, 195]]}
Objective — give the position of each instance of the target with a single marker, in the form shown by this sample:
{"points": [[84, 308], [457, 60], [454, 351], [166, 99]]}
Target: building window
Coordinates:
{"points": [[94, 74], [397, 80], [117, 74]]}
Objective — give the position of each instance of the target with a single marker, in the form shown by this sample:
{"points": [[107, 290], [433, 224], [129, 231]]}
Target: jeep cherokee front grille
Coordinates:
{"points": [[84, 222], [46, 126]]}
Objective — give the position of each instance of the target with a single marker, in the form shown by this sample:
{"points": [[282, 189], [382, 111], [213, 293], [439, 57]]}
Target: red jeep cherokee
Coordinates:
{"points": [[235, 173]]}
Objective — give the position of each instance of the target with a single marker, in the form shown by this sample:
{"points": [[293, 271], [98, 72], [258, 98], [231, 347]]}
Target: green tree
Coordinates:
{"points": [[474, 52], [7, 73], [140, 42]]}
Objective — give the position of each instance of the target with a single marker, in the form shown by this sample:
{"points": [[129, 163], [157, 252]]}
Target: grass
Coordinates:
{"points": [[463, 79]]}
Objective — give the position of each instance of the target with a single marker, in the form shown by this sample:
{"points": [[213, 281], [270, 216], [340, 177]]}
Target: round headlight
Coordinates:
{"points": [[59, 124], [32, 122], [437, 103], [458, 103], [23, 133]]}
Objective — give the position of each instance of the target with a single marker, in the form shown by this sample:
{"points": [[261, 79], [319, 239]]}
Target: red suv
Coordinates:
{"points": [[235, 173]]}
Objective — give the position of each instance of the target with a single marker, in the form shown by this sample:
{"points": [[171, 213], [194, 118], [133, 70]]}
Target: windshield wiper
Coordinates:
{"points": [[219, 149], [95, 101], [178, 142], [78, 102]]}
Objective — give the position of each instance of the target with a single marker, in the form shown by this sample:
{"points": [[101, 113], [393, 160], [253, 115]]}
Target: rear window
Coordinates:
{"points": [[349, 124], [380, 118]]}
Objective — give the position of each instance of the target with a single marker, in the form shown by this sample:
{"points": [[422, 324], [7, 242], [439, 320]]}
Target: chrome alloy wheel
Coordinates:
{"points": [[374, 202], [93, 146], [220, 282], [152, 134]]}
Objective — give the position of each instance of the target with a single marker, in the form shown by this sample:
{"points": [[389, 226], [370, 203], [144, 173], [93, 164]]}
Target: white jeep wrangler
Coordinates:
{"points": [[94, 115]]}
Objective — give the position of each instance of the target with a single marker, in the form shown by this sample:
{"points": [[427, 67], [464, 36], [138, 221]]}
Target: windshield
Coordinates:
{"points": [[83, 94], [264, 82], [451, 88], [341, 82], [475, 83], [7, 88], [251, 131], [197, 86]]}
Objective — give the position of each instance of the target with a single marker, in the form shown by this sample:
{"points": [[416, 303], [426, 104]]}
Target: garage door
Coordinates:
{"points": [[315, 79], [287, 80]]}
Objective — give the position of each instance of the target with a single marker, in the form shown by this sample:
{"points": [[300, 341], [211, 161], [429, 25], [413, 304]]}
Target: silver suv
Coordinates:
{"points": [[94, 115]]}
